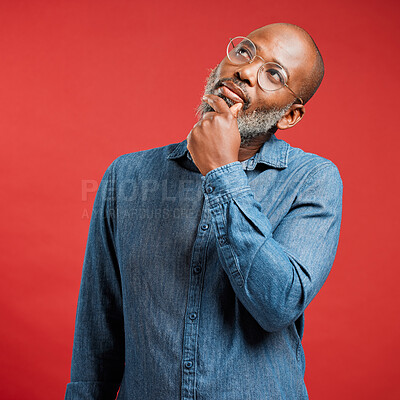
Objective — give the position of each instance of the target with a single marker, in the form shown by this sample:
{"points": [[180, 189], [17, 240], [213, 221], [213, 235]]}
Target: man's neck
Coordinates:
{"points": [[248, 150]]}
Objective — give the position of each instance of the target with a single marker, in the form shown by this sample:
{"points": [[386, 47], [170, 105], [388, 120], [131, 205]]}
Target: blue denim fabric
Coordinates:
{"points": [[195, 287]]}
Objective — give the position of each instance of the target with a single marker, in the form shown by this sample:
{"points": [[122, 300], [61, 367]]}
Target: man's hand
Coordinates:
{"points": [[215, 140]]}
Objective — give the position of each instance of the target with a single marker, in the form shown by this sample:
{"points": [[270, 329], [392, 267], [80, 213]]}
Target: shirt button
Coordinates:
{"points": [[204, 227], [209, 189], [188, 364], [196, 269], [193, 316]]}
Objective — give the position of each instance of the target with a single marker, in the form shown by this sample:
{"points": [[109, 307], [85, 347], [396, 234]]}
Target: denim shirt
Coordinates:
{"points": [[194, 287]]}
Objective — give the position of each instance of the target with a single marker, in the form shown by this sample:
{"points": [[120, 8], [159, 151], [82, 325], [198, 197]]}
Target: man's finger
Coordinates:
{"points": [[236, 108], [216, 103], [220, 106], [208, 115]]}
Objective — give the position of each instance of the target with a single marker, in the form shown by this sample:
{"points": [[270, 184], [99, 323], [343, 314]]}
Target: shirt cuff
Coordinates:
{"points": [[221, 184]]}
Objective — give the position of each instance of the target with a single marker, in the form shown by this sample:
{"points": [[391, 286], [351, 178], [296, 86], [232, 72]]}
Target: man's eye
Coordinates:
{"points": [[243, 52], [275, 76]]}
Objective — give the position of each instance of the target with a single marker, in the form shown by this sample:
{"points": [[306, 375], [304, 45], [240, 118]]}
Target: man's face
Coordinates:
{"points": [[261, 110], [251, 124]]}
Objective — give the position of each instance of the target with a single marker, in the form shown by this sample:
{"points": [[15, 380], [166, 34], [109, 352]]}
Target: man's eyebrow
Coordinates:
{"points": [[276, 61]]}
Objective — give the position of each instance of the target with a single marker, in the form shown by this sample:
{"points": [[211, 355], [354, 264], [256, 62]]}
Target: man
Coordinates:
{"points": [[202, 256]]}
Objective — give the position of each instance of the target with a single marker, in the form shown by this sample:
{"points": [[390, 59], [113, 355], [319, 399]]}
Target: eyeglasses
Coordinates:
{"points": [[271, 76]]}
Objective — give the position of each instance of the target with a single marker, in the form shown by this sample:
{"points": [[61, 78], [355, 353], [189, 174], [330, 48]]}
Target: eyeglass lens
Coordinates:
{"points": [[271, 76]]}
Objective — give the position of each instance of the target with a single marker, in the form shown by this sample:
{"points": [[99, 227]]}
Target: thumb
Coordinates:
{"points": [[236, 108]]}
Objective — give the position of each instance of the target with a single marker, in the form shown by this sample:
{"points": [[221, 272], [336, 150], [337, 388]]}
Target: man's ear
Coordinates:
{"points": [[292, 117]]}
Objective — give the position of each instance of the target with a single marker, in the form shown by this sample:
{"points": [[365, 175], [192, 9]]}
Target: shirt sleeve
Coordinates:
{"points": [[98, 351], [275, 274]]}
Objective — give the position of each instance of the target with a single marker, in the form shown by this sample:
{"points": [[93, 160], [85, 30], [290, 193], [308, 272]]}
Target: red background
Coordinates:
{"points": [[82, 82]]}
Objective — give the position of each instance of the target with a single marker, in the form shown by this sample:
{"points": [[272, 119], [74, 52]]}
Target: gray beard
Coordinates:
{"points": [[260, 122]]}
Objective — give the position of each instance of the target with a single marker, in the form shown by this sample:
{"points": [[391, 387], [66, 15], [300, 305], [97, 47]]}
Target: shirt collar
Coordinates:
{"points": [[274, 152]]}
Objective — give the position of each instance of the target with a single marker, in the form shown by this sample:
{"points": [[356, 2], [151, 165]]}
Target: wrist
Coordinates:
{"points": [[204, 171]]}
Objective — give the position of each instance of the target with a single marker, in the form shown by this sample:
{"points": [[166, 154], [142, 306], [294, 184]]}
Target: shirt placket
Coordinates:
{"points": [[192, 314]]}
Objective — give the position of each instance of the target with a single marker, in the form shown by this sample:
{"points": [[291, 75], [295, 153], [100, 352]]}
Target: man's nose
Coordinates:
{"points": [[248, 72]]}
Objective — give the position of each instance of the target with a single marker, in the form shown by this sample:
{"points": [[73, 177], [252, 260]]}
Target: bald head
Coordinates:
{"points": [[301, 47]]}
